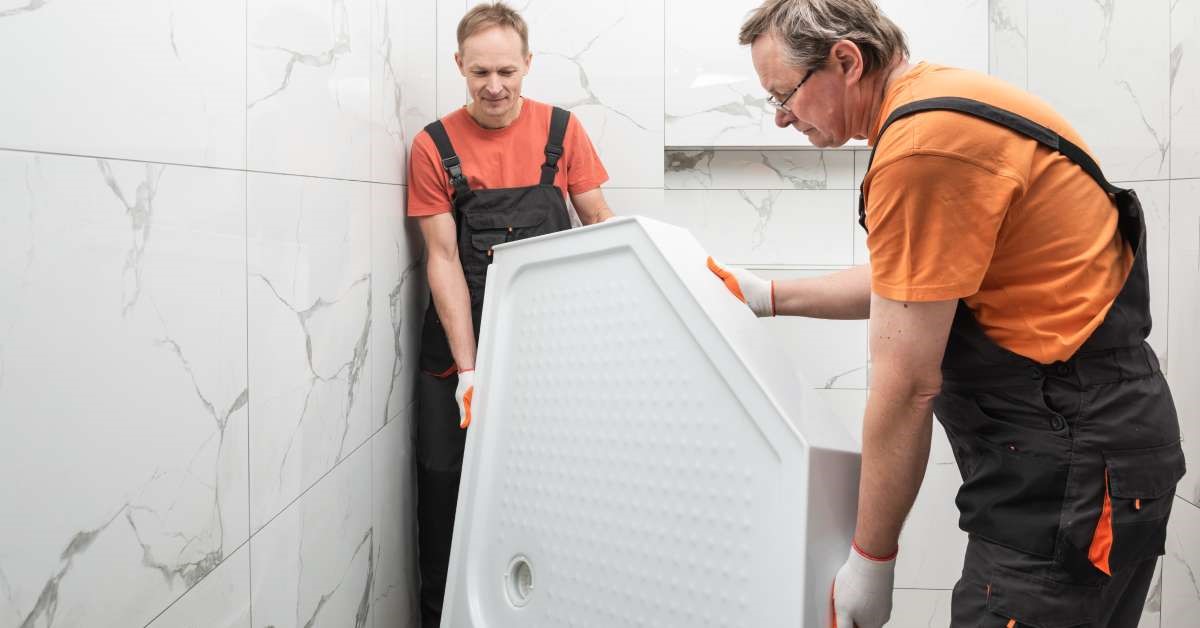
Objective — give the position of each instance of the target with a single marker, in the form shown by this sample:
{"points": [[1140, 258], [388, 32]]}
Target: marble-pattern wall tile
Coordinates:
{"points": [[713, 93], [713, 97], [759, 169], [314, 564], [917, 607], [311, 304], [634, 202], [142, 79], [220, 600], [1008, 54], [403, 69], [766, 227], [840, 345], [848, 405], [1184, 324], [616, 89], [308, 88], [1112, 83], [399, 293], [1180, 598], [122, 395], [1185, 89], [451, 86], [394, 602], [931, 545]]}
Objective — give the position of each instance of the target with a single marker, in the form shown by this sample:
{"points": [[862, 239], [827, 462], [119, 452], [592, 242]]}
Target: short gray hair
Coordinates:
{"points": [[808, 29]]}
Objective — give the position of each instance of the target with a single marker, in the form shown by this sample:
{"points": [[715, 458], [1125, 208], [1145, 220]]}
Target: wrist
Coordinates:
{"points": [[879, 557]]}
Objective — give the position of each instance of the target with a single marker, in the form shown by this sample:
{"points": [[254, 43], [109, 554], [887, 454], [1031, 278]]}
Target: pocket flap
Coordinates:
{"points": [[485, 241], [1144, 473], [515, 218], [1037, 602]]}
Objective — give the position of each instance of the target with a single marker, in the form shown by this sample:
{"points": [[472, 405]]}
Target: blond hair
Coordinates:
{"points": [[808, 29], [485, 16]]}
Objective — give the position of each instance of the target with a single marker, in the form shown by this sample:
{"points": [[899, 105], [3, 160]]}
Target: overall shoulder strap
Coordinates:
{"points": [[450, 162], [1005, 118], [554, 144]]}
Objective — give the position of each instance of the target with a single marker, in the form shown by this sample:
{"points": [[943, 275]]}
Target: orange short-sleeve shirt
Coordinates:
{"points": [[500, 158], [959, 207]]}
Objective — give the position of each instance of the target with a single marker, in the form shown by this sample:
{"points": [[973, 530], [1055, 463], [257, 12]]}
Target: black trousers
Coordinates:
{"points": [[439, 448], [1005, 588]]}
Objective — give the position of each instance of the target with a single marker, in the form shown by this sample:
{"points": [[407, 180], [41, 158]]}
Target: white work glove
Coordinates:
{"points": [[862, 590], [754, 291], [463, 394]]}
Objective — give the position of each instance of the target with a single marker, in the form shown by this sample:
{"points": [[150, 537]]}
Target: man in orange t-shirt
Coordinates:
{"points": [[497, 170], [1007, 292]]}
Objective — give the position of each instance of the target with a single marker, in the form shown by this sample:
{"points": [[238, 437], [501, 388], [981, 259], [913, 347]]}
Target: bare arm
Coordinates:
{"points": [[907, 343], [842, 295], [449, 286], [591, 206]]}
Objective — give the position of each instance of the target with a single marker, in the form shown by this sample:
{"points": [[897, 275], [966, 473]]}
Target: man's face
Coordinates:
{"points": [[817, 109], [494, 65]]}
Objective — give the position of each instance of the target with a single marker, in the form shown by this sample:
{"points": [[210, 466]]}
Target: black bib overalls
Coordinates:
{"points": [[1069, 469], [483, 218]]}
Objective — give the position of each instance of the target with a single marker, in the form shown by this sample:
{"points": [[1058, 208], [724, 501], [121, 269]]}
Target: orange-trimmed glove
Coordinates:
{"points": [[754, 291], [463, 394], [862, 590]]}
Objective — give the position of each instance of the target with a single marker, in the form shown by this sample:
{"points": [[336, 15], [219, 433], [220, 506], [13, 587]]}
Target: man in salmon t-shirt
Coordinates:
{"points": [[497, 170], [1007, 292]]}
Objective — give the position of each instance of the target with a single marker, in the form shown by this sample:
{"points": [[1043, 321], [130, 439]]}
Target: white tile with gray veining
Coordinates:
{"points": [[1112, 83], [399, 295], [308, 93], [157, 81], [829, 353], [314, 564], [606, 69], [311, 304], [394, 591], [914, 607], [1181, 568], [931, 545], [766, 227], [1185, 89], [1009, 46], [451, 86], [122, 385], [634, 202], [1183, 322], [713, 96], [403, 67], [714, 169], [220, 600]]}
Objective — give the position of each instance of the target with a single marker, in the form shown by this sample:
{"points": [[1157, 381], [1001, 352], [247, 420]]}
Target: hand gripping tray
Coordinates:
{"points": [[643, 454]]}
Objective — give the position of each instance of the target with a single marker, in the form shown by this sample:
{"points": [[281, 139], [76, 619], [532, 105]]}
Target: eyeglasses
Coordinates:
{"points": [[782, 104]]}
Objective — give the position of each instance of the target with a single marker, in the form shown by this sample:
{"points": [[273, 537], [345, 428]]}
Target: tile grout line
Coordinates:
{"points": [[199, 166]]}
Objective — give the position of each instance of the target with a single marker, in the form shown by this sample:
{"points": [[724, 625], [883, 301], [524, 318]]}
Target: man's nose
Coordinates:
{"points": [[783, 118], [494, 85]]}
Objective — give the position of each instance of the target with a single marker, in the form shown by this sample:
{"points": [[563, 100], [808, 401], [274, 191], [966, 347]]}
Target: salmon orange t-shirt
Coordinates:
{"points": [[509, 157], [962, 208]]}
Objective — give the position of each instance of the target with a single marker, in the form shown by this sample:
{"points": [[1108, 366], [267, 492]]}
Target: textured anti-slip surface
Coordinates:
{"points": [[642, 453]]}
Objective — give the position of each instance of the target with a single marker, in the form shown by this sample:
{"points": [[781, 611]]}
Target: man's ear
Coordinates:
{"points": [[848, 58], [458, 61]]}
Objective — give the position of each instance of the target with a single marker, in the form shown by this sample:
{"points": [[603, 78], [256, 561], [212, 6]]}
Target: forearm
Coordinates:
{"points": [[842, 295], [448, 286], [895, 450], [591, 207]]}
